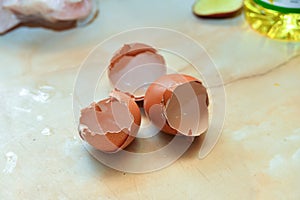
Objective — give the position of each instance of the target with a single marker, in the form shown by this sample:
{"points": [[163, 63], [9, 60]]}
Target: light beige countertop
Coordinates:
{"points": [[256, 157]]}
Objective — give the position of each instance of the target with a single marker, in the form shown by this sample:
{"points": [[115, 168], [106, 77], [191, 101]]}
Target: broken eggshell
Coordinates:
{"points": [[178, 104], [134, 67], [111, 124]]}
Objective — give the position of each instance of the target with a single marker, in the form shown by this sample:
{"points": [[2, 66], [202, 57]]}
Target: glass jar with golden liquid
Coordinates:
{"points": [[278, 19]]}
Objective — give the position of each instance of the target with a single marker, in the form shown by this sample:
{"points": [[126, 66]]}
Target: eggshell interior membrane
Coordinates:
{"points": [[134, 67], [131, 50], [177, 103], [111, 124], [186, 111]]}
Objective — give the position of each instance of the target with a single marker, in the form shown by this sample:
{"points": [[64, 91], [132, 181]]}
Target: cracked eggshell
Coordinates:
{"points": [[134, 67], [111, 124], [178, 104]]}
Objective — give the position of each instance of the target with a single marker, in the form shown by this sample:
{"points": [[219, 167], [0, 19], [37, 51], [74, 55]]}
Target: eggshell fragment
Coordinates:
{"points": [[134, 67], [111, 124], [178, 103]]}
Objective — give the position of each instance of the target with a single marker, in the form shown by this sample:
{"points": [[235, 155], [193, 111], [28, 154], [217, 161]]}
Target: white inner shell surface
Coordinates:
{"points": [[113, 117], [186, 111], [133, 74]]}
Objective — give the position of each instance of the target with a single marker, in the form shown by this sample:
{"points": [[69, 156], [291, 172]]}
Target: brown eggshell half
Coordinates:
{"points": [[134, 67], [111, 124], [178, 104]]}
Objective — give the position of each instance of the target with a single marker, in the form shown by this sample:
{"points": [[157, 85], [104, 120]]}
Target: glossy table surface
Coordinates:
{"points": [[256, 157]]}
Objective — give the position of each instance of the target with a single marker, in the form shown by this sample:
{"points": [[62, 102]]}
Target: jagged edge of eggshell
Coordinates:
{"points": [[166, 101], [116, 95], [127, 50], [83, 129]]}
